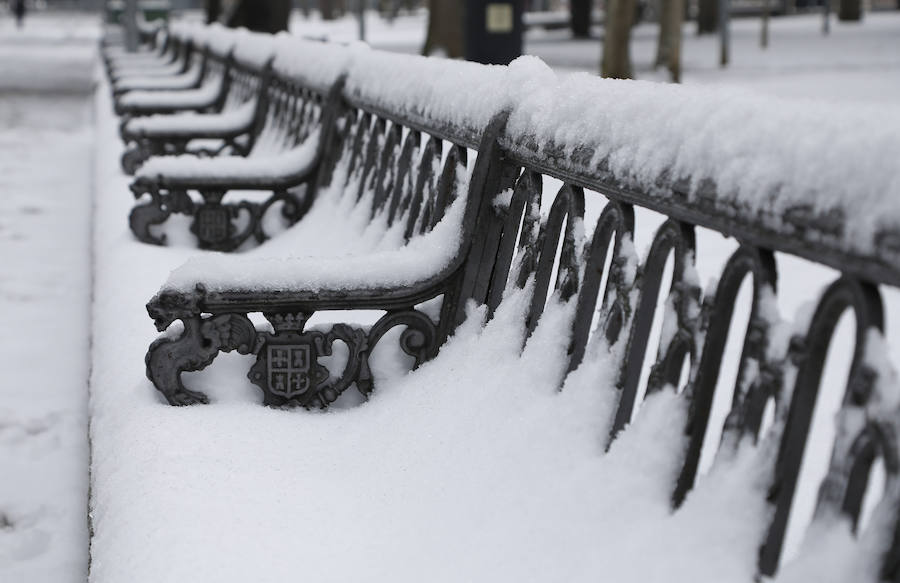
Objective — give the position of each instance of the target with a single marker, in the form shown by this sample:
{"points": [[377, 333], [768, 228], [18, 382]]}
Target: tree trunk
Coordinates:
{"points": [[676, 18], [262, 15], [665, 35], [764, 33], [445, 28], [580, 15], [328, 9], [616, 62], [213, 10], [707, 16], [850, 10]]}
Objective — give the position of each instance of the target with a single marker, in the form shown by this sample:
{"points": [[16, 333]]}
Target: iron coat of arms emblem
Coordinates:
{"points": [[287, 369]]}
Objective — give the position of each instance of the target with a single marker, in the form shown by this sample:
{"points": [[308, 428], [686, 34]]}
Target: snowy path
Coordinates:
{"points": [[45, 176]]}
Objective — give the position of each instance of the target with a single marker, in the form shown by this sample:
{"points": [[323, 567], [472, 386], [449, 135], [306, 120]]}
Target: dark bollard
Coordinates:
{"points": [[493, 31]]}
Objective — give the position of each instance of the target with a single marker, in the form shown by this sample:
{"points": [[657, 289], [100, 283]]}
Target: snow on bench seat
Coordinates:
{"points": [[202, 96], [232, 171], [286, 267], [210, 125], [185, 80]]}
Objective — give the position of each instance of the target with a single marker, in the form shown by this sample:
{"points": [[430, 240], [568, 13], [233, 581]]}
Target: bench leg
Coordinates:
{"points": [[195, 349], [133, 158], [213, 222], [155, 211], [287, 368]]}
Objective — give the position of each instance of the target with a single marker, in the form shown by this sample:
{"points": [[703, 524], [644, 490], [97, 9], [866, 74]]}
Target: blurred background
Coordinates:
{"points": [[653, 39]]}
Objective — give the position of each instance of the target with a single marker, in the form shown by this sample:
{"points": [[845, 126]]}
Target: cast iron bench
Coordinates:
{"points": [[207, 95], [388, 155], [277, 166], [229, 130], [168, 52]]}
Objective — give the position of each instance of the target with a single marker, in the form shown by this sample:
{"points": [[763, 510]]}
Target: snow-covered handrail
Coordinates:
{"points": [[812, 179]]}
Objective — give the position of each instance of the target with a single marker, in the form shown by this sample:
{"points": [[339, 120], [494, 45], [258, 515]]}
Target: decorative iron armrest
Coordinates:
{"points": [[218, 225], [287, 367]]}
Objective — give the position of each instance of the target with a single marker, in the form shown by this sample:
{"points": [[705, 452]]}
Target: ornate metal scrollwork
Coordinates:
{"points": [[287, 367], [195, 349], [213, 222], [419, 340], [133, 158], [155, 211]]}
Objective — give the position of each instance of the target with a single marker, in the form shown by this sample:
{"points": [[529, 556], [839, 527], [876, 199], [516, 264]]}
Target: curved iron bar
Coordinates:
{"points": [[374, 146], [567, 209], [425, 184], [448, 187], [520, 224], [809, 354], [759, 264], [419, 340], [405, 175], [678, 238], [615, 222], [386, 175]]}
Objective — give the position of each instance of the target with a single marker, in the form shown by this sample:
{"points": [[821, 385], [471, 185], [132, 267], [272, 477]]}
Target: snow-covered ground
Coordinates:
{"points": [[483, 476], [45, 216]]}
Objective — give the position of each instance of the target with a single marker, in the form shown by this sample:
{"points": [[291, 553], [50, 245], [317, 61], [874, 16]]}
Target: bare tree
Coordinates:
{"points": [[616, 62], [445, 28], [850, 10], [668, 48], [213, 10], [262, 15], [707, 16], [332, 9], [580, 17]]}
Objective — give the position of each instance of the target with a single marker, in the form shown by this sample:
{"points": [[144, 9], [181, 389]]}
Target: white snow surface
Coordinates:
{"points": [[45, 279], [187, 123], [291, 266], [456, 92]]}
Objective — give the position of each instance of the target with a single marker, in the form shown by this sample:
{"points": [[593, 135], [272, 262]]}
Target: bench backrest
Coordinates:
{"points": [[394, 150], [568, 260]]}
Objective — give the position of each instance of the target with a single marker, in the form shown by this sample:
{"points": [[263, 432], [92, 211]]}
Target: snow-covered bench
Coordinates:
{"points": [[167, 53], [762, 174], [230, 130], [276, 168], [207, 91]]}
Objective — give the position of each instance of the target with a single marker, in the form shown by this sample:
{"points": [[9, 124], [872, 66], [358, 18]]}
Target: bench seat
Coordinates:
{"points": [[156, 101], [190, 124], [163, 79], [254, 172]]}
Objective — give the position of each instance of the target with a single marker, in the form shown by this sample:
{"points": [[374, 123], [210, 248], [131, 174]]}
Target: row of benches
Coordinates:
{"points": [[454, 158]]}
